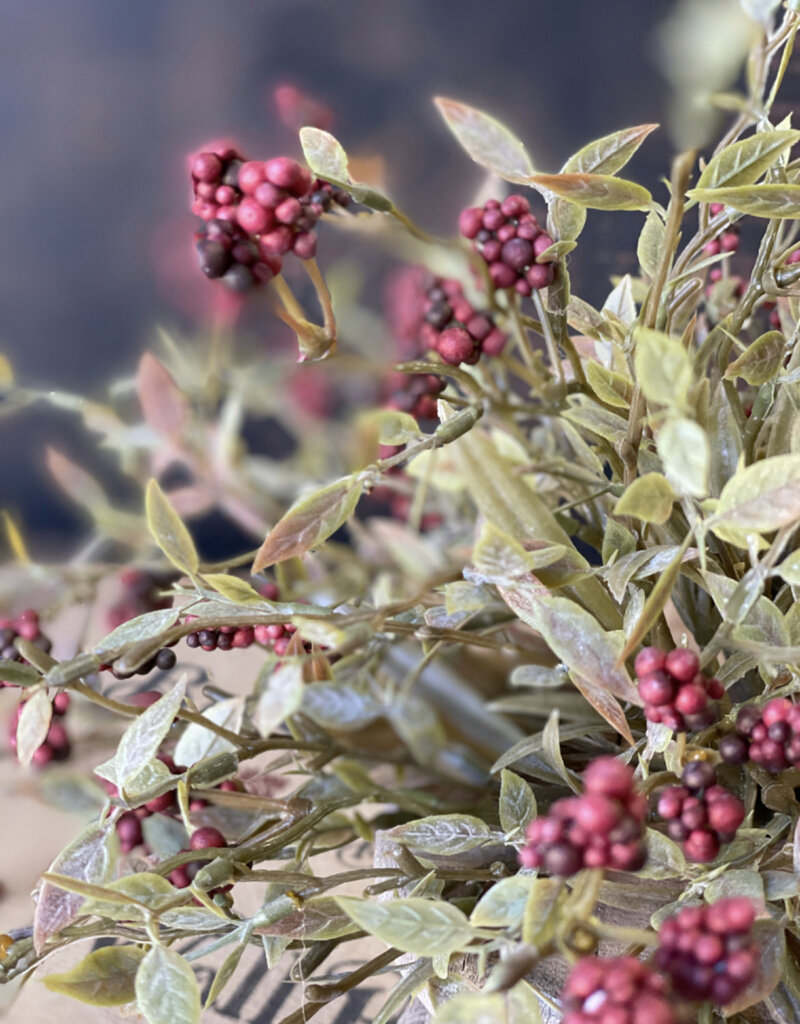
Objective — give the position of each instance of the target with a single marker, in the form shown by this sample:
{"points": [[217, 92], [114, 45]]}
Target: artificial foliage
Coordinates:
{"points": [[516, 627]]}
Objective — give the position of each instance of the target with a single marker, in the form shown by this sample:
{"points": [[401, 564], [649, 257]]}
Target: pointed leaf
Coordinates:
{"points": [[103, 978], [573, 634], [503, 906], [163, 403], [771, 200], [486, 140], [166, 988], [595, 191], [309, 522], [650, 244], [445, 834], [745, 161], [610, 153], [76, 482], [147, 626], [324, 154], [141, 740], [517, 802], [281, 697], [234, 588], [197, 743], [169, 531]]}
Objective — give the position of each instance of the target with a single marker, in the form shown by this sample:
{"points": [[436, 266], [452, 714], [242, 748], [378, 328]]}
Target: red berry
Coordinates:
{"points": [[657, 689], [609, 777], [683, 664], [470, 221], [207, 837], [455, 345], [207, 167], [251, 174], [540, 275], [649, 660], [252, 216]]}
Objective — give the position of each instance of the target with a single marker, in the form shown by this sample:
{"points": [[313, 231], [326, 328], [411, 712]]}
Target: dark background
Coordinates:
{"points": [[100, 100]]}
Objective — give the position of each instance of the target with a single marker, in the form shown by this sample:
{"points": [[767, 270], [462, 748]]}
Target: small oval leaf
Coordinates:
{"points": [[595, 191], [166, 988], [103, 978], [486, 140]]}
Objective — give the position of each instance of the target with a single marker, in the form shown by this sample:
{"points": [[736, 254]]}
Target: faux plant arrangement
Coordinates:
{"points": [[543, 685]]}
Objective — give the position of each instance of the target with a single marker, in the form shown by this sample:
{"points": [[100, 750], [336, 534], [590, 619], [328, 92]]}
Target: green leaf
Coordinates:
{"points": [[610, 153], [472, 1008], [499, 558], [169, 531], [595, 191], [197, 742], [141, 740], [610, 387], [103, 978], [736, 882], [486, 140], [325, 155], [340, 705], [650, 244], [224, 974], [89, 858], [517, 802], [685, 455], [663, 368], [649, 498], [413, 925], [445, 834], [235, 589], [772, 201], [758, 498], [33, 725], [665, 858], [503, 906], [551, 748], [656, 601], [280, 697], [761, 360], [147, 626], [573, 634], [394, 427], [543, 911], [789, 569], [309, 522], [114, 899], [743, 162], [18, 674], [568, 219], [166, 988], [327, 158]]}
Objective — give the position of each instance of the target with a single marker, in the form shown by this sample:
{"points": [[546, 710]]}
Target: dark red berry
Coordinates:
{"points": [[207, 837]]}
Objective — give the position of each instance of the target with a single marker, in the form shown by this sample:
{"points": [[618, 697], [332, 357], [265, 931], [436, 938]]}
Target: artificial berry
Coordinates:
{"points": [[708, 951], [769, 736], [616, 990], [207, 838], [674, 691], [511, 242], [602, 828], [699, 813], [25, 627]]}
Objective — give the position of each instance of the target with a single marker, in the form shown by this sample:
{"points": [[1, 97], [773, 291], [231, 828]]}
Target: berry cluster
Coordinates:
{"points": [[709, 951], [276, 636], [256, 212], [205, 838], [56, 746], [432, 313], [770, 736], [26, 627], [674, 691], [616, 990], [508, 237], [164, 660], [700, 814], [603, 828]]}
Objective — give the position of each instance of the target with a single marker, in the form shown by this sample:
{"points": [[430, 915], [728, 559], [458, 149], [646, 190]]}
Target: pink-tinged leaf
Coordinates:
{"points": [[605, 704], [163, 403], [76, 482], [486, 140], [309, 522], [595, 191], [90, 858], [573, 634], [770, 940]]}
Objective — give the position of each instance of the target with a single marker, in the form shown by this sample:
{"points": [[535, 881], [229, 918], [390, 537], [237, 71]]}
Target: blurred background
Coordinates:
{"points": [[100, 102]]}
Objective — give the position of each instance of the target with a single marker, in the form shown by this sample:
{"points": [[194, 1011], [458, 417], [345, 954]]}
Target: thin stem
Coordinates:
{"points": [[323, 294], [550, 341]]}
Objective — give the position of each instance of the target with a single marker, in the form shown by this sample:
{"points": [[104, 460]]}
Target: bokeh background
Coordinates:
{"points": [[100, 100]]}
